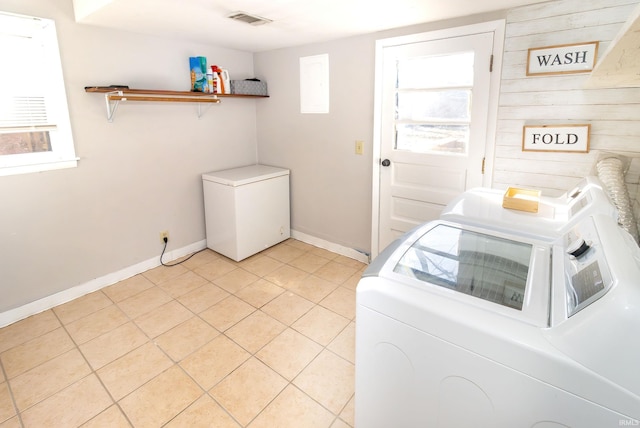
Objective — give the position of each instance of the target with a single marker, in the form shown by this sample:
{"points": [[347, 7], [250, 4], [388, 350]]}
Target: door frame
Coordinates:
{"points": [[498, 28]]}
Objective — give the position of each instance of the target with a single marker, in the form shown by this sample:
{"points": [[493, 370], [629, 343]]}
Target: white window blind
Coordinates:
{"points": [[25, 114]]}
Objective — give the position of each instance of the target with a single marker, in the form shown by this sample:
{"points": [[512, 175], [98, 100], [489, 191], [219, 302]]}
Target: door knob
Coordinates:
{"points": [[386, 162]]}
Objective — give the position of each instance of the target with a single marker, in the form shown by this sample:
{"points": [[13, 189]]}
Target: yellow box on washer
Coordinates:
{"points": [[521, 199]]}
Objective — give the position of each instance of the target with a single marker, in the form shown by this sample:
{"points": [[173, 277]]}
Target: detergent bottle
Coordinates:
{"points": [[214, 80], [226, 83], [216, 76], [210, 82]]}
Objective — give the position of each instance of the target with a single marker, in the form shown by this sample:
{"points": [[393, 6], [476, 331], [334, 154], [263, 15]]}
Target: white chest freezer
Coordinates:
{"points": [[466, 327], [246, 209]]}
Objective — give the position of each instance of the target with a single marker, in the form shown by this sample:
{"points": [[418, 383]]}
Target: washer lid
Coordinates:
{"points": [[504, 274], [480, 265], [244, 175]]}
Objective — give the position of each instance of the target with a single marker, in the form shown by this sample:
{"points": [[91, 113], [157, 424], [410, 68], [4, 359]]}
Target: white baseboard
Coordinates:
{"points": [[336, 248], [41, 305], [48, 302]]}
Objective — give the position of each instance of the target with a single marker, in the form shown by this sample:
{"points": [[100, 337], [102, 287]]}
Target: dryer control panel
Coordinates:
{"points": [[587, 275]]}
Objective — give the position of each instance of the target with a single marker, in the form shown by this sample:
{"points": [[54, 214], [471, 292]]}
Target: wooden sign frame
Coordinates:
{"points": [[562, 59], [556, 138]]}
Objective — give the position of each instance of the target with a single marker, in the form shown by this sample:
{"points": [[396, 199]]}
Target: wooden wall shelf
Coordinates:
{"points": [[114, 95]]}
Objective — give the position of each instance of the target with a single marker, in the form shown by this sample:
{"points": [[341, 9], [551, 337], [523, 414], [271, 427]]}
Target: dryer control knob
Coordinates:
{"points": [[578, 248]]}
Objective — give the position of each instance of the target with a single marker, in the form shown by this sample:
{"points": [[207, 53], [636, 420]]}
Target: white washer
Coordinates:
{"points": [[462, 326], [483, 207]]}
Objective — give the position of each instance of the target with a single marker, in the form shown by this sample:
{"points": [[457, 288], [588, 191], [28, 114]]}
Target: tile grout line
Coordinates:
{"points": [[152, 340], [194, 314], [13, 399], [254, 354], [251, 355], [324, 347], [93, 371]]}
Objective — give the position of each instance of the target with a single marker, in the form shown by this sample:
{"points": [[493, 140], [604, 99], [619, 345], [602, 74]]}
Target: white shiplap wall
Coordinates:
{"points": [[614, 114]]}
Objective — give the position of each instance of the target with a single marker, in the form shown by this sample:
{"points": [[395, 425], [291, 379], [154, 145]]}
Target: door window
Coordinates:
{"points": [[433, 103]]}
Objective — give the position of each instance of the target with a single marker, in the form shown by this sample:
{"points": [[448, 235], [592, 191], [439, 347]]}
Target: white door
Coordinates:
{"points": [[434, 103]]}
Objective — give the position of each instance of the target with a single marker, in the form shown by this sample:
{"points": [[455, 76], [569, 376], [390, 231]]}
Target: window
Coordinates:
{"points": [[433, 103], [35, 131]]}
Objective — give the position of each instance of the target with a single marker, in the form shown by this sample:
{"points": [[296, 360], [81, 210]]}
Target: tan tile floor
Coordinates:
{"points": [[267, 342]]}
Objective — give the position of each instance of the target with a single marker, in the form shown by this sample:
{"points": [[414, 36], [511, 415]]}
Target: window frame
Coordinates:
{"points": [[62, 154]]}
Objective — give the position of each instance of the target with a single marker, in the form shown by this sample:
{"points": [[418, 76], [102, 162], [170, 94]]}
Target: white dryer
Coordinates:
{"points": [[465, 326], [555, 216]]}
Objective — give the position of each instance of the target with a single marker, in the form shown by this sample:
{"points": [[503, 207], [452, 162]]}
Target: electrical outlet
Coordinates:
{"points": [[359, 147], [164, 234]]}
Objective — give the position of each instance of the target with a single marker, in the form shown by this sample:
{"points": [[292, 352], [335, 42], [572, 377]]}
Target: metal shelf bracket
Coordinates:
{"points": [[112, 106]]}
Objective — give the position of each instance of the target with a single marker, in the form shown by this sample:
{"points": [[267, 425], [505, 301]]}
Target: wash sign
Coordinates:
{"points": [[576, 58]]}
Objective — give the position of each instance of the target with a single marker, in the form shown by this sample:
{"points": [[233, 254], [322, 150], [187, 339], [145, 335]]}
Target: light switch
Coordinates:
{"points": [[359, 147]]}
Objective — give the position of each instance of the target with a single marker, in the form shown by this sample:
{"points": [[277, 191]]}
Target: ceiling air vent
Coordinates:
{"points": [[249, 19]]}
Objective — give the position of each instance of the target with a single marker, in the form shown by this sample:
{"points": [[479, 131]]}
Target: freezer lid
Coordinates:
{"points": [[244, 175]]}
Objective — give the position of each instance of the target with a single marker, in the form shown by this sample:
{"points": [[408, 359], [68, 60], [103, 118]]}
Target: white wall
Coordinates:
{"points": [[330, 184], [141, 174], [614, 114], [136, 176]]}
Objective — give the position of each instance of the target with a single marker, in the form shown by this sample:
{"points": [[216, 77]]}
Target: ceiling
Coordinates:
{"points": [[295, 22]]}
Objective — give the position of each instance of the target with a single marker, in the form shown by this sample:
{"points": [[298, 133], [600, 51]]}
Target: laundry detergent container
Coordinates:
{"points": [[246, 209]]}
